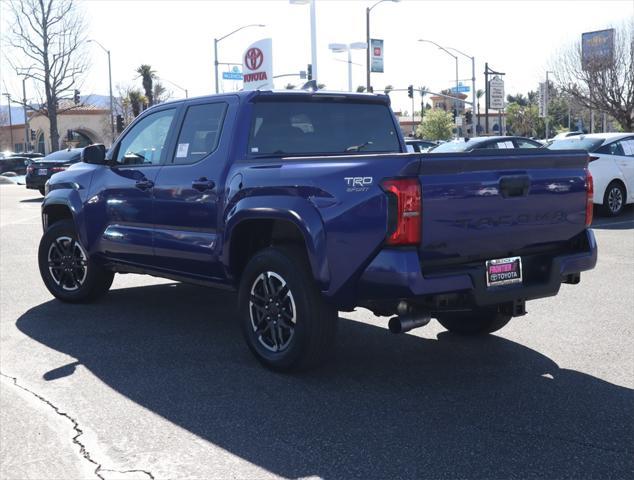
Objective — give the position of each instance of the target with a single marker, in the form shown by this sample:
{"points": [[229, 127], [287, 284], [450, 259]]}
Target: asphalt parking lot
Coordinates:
{"points": [[154, 381]]}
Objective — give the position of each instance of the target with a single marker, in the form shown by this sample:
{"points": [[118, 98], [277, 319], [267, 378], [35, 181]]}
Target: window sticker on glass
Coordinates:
{"points": [[505, 144], [182, 150], [255, 149], [628, 147]]}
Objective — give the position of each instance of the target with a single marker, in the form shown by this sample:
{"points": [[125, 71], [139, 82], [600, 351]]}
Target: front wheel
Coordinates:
{"points": [[67, 271], [477, 322], [285, 321]]}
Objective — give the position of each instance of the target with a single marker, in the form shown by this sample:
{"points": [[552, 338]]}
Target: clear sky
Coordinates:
{"points": [[176, 38]]}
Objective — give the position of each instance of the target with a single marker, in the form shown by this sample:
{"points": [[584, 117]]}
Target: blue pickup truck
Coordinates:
{"points": [[307, 204]]}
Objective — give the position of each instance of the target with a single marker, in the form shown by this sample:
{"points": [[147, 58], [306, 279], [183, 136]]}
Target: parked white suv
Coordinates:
{"points": [[612, 167]]}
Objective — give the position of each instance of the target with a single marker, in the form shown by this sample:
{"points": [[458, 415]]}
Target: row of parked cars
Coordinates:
{"points": [[36, 167], [611, 160], [611, 166]]}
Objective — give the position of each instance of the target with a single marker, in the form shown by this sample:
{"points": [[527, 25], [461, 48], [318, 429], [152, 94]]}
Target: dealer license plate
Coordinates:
{"points": [[42, 171], [504, 271]]}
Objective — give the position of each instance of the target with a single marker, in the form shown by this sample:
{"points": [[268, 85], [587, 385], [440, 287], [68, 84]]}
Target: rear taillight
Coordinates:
{"points": [[58, 169], [29, 169], [589, 197], [405, 214]]}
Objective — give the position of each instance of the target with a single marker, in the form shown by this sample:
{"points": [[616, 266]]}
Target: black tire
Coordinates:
{"points": [[67, 271], [477, 322], [302, 341], [613, 200], [42, 191]]}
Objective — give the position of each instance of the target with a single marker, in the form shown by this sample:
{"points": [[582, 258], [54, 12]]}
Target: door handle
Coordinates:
{"points": [[202, 184], [144, 184]]}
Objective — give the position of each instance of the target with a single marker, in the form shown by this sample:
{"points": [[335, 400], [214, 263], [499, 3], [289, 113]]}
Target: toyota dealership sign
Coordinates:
{"points": [[257, 65]]}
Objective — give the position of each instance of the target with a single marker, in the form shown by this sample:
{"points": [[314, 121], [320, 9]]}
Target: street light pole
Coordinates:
{"points": [[455, 57], [177, 86], [110, 87], [368, 66], [217, 40], [347, 47], [473, 87], [27, 133]]}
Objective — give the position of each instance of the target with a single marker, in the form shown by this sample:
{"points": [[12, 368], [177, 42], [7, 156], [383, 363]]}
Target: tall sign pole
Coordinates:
{"points": [[486, 98], [27, 133]]}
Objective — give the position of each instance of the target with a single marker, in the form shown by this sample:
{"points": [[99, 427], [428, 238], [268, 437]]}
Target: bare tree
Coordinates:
{"points": [[606, 87], [47, 38]]}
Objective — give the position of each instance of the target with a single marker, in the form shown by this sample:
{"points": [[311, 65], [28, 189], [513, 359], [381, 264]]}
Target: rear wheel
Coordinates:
{"points": [[284, 319], [67, 271], [477, 322], [613, 200]]}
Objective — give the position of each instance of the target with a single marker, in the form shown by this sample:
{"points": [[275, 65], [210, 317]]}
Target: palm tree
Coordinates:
{"points": [[479, 95], [147, 76], [136, 99], [289, 86], [159, 93], [360, 89]]}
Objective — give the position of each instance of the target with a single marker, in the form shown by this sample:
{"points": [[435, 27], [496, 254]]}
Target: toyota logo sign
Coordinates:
{"points": [[253, 58]]}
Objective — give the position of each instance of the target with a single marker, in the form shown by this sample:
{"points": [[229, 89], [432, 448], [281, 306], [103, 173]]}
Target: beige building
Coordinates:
{"points": [[86, 124]]}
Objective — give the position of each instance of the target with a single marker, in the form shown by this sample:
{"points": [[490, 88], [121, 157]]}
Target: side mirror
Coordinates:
{"points": [[95, 153]]}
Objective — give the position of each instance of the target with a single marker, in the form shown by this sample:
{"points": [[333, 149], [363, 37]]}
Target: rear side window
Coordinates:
{"points": [[200, 133], [576, 143], [614, 148], [305, 128]]}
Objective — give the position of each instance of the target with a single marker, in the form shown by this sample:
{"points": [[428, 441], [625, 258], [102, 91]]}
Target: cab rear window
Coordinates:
{"points": [[312, 128]]}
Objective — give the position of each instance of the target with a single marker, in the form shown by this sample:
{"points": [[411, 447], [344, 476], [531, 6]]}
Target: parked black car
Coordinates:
{"points": [[39, 171], [13, 164]]}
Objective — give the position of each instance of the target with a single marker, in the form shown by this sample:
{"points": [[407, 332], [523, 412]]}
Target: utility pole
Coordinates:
{"points": [[486, 98], [27, 133], [8, 95]]}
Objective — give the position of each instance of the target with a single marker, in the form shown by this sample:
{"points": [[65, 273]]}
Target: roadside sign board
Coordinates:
{"points": [[496, 93], [543, 99], [597, 49], [257, 65], [376, 53], [460, 88], [234, 74], [458, 121]]}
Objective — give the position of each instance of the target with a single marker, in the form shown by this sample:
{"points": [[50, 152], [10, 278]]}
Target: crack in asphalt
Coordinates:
{"points": [[79, 432]]}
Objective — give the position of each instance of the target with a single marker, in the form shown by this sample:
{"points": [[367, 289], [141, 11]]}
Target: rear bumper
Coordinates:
{"points": [[35, 181], [396, 274]]}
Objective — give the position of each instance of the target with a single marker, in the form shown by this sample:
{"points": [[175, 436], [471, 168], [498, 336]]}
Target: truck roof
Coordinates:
{"points": [[246, 96]]}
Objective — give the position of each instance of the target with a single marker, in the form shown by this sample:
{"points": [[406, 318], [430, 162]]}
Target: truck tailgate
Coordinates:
{"points": [[478, 206]]}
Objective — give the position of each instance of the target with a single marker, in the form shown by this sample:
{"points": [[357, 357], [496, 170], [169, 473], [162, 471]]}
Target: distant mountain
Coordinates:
{"points": [[17, 113]]}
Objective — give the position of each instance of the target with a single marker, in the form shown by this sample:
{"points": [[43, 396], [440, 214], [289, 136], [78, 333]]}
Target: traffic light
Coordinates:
{"points": [[69, 135], [76, 97], [309, 72], [119, 123], [32, 135], [410, 91], [454, 114], [468, 116]]}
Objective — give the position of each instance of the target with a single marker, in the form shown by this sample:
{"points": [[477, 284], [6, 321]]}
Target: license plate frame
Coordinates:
{"points": [[42, 172], [504, 271]]}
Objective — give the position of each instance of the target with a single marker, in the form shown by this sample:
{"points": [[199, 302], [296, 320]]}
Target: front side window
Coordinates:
{"points": [[200, 133], [144, 144], [321, 127]]}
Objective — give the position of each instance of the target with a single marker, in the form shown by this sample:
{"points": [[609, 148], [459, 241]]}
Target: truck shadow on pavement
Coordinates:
{"points": [[383, 407]]}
